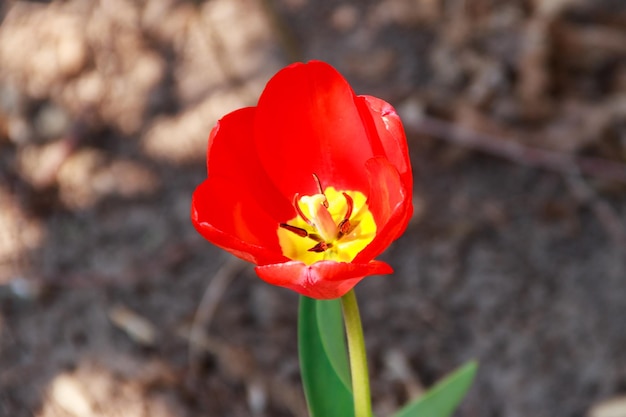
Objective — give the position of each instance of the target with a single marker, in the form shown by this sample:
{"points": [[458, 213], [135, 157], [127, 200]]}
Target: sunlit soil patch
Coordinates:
{"points": [[87, 391]]}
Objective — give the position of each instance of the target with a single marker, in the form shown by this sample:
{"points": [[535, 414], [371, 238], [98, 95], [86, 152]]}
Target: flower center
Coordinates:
{"points": [[330, 225]]}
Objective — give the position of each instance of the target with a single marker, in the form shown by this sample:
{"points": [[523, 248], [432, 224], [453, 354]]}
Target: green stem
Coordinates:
{"points": [[358, 358]]}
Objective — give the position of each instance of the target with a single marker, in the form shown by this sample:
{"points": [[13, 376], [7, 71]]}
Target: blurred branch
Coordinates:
{"points": [[208, 305], [608, 218], [516, 152], [570, 166]]}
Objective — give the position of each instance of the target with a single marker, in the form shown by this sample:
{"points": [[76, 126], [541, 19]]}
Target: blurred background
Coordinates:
{"points": [[112, 305]]}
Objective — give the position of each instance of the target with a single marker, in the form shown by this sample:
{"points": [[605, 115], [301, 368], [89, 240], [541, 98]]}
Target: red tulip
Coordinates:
{"points": [[310, 185]]}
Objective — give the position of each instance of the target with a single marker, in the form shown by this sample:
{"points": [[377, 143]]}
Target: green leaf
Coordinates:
{"points": [[323, 358], [443, 398], [332, 334]]}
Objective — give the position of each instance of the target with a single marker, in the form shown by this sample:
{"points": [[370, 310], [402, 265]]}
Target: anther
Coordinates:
{"points": [[344, 227], [315, 237], [321, 247], [297, 230]]}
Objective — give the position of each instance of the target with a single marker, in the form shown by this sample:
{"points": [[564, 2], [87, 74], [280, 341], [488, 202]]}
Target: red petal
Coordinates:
{"points": [[237, 207], [307, 122], [232, 155], [391, 134], [239, 224], [323, 280], [391, 205]]}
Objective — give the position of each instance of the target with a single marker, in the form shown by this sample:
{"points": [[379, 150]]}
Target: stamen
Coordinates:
{"points": [[320, 189], [345, 226], [350, 203], [321, 247], [296, 205], [297, 230], [319, 184]]}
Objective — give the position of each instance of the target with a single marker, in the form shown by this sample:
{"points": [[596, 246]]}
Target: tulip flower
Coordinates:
{"points": [[311, 185]]}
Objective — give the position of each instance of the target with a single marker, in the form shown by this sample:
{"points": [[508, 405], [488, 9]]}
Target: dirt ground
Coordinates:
{"points": [[112, 305]]}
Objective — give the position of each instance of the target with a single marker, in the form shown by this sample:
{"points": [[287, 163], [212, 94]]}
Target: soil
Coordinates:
{"points": [[112, 305]]}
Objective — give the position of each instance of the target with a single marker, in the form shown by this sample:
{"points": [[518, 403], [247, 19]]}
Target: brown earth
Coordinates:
{"points": [[112, 305]]}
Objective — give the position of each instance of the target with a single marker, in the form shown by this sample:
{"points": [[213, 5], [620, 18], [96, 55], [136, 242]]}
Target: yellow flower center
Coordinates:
{"points": [[331, 225]]}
